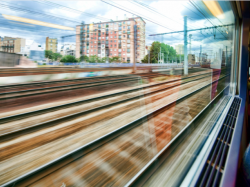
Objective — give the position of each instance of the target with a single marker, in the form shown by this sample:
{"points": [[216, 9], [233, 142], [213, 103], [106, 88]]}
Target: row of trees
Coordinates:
{"points": [[53, 56], [96, 59], [168, 51], [69, 58]]}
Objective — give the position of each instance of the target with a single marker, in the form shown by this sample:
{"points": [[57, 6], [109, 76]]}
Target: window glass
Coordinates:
{"points": [[99, 116]]}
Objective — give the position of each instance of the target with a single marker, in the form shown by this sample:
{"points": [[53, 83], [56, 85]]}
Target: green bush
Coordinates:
{"points": [[68, 58]]}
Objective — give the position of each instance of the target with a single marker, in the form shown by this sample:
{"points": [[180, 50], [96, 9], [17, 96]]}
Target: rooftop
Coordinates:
{"points": [[111, 21]]}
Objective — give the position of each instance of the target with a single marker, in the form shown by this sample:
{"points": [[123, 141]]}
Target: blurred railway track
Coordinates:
{"points": [[139, 92], [112, 159], [50, 123]]}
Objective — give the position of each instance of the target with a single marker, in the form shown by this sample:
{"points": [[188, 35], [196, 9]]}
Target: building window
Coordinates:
{"points": [[114, 49], [124, 36], [119, 50], [115, 32], [124, 54], [124, 27], [110, 45], [123, 49], [110, 49], [111, 40], [114, 36], [111, 36], [115, 41], [111, 32], [115, 45]]}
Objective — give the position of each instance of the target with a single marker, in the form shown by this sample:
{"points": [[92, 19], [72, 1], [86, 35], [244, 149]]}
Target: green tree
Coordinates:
{"points": [[115, 59], [83, 58], [68, 58], [168, 51], [94, 59], [56, 56], [48, 54]]}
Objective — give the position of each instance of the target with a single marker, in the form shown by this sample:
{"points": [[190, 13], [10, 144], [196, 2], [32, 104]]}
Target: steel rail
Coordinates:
{"points": [[79, 79], [140, 178], [77, 114], [63, 106], [91, 146]]}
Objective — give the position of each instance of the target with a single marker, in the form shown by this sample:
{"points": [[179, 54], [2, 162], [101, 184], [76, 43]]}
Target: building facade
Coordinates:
{"points": [[12, 45], [179, 49], [112, 39], [68, 49], [33, 46], [51, 44]]}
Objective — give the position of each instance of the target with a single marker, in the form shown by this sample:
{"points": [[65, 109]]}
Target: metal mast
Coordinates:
{"points": [[185, 47]]}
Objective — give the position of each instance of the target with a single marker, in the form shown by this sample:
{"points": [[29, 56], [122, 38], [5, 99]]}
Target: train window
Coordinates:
{"points": [[73, 117]]}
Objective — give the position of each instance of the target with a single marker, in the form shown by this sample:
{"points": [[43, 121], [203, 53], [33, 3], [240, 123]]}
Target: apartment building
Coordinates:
{"points": [[114, 38], [179, 49], [68, 49], [12, 45], [51, 44]]}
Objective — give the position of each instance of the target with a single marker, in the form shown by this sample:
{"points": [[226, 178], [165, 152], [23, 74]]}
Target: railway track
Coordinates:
{"points": [[54, 83], [126, 101], [112, 159], [134, 96], [40, 95]]}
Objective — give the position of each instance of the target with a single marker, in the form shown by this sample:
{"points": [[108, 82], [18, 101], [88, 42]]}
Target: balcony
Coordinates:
{"points": [[8, 46]]}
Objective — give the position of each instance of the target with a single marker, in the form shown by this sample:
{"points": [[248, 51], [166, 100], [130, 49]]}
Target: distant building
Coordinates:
{"points": [[51, 44], [114, 38], [68, 49], [179, 49], [36, 55], [191, 58], [33, 46], [12, 45]]}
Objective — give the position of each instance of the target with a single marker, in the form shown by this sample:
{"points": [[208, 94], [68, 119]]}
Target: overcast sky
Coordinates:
{"points": [[160, 17]]}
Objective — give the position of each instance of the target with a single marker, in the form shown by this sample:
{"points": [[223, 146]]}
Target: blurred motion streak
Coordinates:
{"points": [[36, 22], [214, 8]]}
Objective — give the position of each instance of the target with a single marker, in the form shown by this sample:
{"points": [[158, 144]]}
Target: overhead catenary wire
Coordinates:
{"points": [[156, 11], [129, 11]]}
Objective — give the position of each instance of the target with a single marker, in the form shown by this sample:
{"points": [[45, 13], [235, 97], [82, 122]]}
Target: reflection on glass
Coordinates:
{"points": [[92, 91]]}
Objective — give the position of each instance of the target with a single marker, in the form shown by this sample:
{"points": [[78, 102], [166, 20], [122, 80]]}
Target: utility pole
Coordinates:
{"points": [[148, 56], [190, 49], [160, 54], [226, 57], [185, 47], [200, 53], [135, 38]]}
